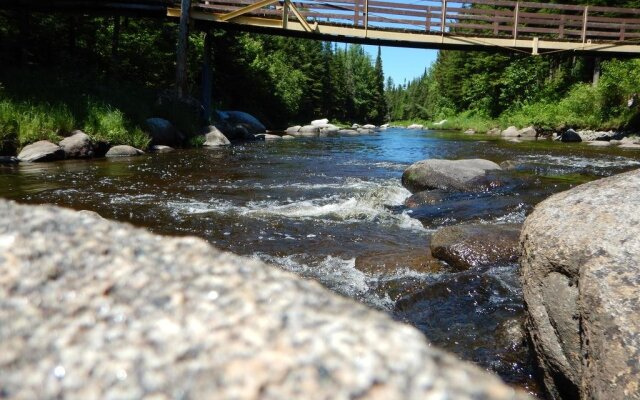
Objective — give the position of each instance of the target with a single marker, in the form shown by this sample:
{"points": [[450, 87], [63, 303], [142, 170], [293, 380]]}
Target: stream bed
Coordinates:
{"points": [[329, 208]]}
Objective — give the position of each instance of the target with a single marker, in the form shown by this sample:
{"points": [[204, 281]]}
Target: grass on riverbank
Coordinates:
{"points": [[44, 104]]}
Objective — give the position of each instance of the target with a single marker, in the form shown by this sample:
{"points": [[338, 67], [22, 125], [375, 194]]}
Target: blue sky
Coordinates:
{"points": [[402, 63]]}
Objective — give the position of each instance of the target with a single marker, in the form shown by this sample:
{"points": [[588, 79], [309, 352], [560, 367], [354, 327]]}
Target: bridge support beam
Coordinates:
{"points": [[206, 78], [181, 52]]}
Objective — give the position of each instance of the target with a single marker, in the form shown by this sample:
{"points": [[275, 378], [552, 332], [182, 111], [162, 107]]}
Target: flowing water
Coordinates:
{"points": [[329, 208]]}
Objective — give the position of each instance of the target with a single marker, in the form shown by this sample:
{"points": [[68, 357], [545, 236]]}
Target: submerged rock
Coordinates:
{"points": [[110, 311], [474, 245], [389, 263], [161, 149], [581, 283], [425, 198], [123, 151], [43, 150], [78, 145], [448, 175]]}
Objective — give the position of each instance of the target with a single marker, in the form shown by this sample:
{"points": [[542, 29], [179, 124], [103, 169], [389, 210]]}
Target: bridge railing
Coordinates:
{"points": [[490, 18]]}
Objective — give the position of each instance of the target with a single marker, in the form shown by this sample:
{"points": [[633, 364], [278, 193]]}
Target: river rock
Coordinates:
{"points": [[308, 131], [528, 132], [123, 151], [268, 136], [78, 145], [474, 245], [494, 132], [158, 148], [599, 143], [580, 270], [110, 311], [241, 119], [368, 126], [570, 136], [42, 150], [162, 132], [215, 138], [288, 137], [470, 132], [511, 131], [320, 122], [329, 130], [390, 263], [293, 129], [449, 175], [365, 131], [590, 135], [425, 198], [348, 132], [629, 146], [416, 126]]}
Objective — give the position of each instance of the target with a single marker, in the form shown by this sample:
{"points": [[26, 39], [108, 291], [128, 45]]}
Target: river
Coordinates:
{"points": [[329, 208]]}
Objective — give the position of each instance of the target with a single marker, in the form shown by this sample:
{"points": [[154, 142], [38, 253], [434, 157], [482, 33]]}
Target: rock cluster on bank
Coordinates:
{"points": [[109, 311], [322, 127], [581, 282]]}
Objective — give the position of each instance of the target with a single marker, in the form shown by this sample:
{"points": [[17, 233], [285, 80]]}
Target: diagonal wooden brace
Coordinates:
{"points": [[247, 9], [300, 18]]}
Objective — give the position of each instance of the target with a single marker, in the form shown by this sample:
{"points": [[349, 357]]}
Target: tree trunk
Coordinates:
{"points": [[206, 78]]}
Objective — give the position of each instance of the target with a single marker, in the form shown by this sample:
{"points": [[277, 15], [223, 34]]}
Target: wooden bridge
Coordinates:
{"points": [[519, 26]]}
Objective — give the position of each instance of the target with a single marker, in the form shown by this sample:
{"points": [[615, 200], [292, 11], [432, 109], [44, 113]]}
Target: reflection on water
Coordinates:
{"points": [[317, 206]]}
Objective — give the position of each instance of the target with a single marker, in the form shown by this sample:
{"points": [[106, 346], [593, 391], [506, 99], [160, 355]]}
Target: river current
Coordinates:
{"points": [[332, 209]]}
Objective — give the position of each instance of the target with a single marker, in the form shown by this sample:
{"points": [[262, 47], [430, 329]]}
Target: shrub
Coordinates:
{"points": [[104, 123]]}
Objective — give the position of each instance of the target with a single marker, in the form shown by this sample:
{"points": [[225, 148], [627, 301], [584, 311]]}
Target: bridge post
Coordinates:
{"points": [[181, 52], [206, 77]]}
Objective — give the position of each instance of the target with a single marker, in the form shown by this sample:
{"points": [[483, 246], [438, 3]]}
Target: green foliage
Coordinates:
{"points": [[104, 123], [197, 141]]}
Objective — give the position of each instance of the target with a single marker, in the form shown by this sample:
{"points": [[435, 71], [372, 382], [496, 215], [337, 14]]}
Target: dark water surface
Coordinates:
{"points": [[317, 206]]}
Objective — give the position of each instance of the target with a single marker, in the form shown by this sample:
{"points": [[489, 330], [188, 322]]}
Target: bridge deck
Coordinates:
{"points": [[518, 26]]}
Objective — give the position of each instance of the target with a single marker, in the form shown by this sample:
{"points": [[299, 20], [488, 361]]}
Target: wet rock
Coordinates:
{"points": [[570, 136], [449, 175], [43, 150], [629, 146], [511, 334], [288, 137], [416, 126], [470, 132], [161, 149], [215, 138], [110, 311], [510, 165], [494, 132], [590, 136], [369, 126], [474, 245], [581, 284], [390, 263], [78, 145], [426, 198], [348, 132], [162, 132], [123, 151]]}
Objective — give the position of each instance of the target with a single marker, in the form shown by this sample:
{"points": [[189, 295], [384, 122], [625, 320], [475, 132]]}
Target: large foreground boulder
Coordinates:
{"points": [[450, 175], [78, 145], [43, 150], [473, 245], [581, 283], [96, 309]]}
